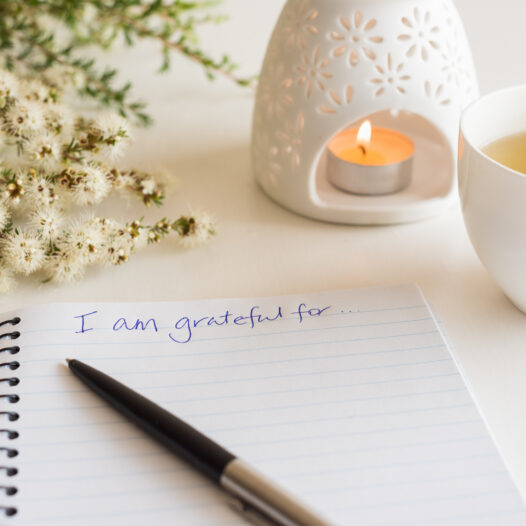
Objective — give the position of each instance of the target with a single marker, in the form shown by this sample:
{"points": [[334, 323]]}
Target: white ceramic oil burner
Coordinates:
{"points": [[331, 65]]}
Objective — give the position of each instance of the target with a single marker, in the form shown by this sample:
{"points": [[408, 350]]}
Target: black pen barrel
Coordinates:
{"points": [[186, 441]]}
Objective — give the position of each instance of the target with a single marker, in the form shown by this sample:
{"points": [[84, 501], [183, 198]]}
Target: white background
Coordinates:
{"points": [[202, 135]]}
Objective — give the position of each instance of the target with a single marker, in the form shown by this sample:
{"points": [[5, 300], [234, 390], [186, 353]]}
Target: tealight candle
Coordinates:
{"points": [[370, 160], [509, 151]]}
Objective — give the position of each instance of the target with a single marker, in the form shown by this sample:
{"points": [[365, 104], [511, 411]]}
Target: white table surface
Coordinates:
{"points": [[202, 135]]}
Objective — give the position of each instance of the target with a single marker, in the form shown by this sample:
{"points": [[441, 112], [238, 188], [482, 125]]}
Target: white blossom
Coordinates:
{"points": [[118, 242], [205, 227], [124, 180], [47, 222], [34, 90], [23, 253], [98, 229], [51, 158], [22, 119], [102, 226], [88, 240], [41, 192], [118, 250], [114, 132], [9, 86], [93, 185], [109, 124], [115, 240], [67, 265], [201, 231], [44, 151], [14, 191], [148, 186], [59, 119]]}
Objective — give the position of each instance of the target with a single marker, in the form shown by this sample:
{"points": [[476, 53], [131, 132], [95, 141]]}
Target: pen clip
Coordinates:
{"points": [[250, 514]]}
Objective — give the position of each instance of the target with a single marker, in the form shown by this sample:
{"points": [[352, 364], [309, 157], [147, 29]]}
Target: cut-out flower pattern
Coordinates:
{"points": [[390, 76], [290, 138], [273, 88], [421, 34], [336, 100], [355, 38], [299, 24], [436, 94], [313, 72], [266, 158], [454, 67], [446, 8]]}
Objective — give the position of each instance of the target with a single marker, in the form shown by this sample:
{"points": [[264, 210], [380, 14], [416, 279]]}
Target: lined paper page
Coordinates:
{"points": [[351, 400]]}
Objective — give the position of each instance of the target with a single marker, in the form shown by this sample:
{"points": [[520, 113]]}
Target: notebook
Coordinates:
{"points": [[351, 400]]}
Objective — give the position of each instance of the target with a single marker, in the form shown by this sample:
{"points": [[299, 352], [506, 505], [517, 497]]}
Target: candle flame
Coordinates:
{"points": [[364, 133]]}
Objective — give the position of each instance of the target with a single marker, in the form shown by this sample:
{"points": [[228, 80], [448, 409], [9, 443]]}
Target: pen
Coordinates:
{"points": [[258, 499]]}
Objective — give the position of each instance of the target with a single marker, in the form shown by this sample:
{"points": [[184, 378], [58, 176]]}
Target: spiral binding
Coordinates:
{"points": [[6, 432]]}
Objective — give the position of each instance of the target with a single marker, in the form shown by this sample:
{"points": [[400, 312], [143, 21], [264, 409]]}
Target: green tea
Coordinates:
{"points": [[509, 151]]}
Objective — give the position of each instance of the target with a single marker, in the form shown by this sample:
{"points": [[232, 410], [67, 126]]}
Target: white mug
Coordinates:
{"points": [[494, 196]]}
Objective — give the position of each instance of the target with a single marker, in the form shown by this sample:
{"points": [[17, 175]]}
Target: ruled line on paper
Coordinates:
{"points": [[119, 493], [342, 354], [388, 505], [265, 393], [267, 377], [126, 512], [248, 364], [378, 407], [292, 406], [411, 482], [194, 487], [273, 347], [300, 331], [499, 514], [166, 454], [145, 438], [428, 481], [365, 467], [354, 416], [370, 467]]}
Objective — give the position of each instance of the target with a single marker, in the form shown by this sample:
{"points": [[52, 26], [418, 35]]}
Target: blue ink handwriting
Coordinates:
{"points": [[139, 325], [183, 329], [82, 322], [303, 312]]}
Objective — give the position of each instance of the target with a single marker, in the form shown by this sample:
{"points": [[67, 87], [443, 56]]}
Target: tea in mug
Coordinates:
{"points": [[509, 151]]}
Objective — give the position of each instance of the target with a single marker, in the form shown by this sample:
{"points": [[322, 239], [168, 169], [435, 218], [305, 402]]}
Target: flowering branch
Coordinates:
{"points": [[55, 160], [176, 38], [29, 45]]}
